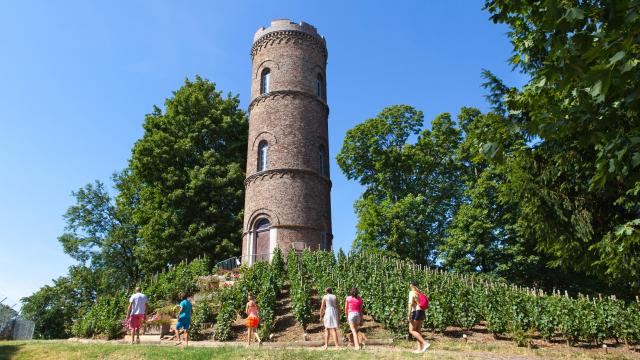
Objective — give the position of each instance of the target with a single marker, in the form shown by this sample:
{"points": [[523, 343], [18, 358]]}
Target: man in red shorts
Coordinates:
{"points": [[136, 311]]}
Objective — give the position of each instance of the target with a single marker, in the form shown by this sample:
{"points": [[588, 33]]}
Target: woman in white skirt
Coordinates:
{"points": [[329, 316]]}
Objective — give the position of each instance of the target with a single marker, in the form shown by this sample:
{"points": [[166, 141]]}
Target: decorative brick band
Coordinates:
{"points": [[292, 173], [288, 36], [271, 95]]}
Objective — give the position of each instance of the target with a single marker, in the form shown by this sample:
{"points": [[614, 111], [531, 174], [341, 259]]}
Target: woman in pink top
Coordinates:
{"points": [[353, 311]]}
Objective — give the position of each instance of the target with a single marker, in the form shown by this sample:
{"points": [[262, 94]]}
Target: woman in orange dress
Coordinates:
{"points": [[252, 319]]}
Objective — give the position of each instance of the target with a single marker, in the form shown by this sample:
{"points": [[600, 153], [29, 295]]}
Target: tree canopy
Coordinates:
{"points": [[545, 188], [181, 197], [411, 188], [188, 173], [578, 181]]}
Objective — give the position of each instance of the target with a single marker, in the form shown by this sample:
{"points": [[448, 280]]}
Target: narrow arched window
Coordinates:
{"points": [[263, 151], [323, 160], [265, 81], [319, 86]]}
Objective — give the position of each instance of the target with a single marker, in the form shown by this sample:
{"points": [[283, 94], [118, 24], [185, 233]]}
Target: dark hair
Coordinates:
{"points": [[328, 290], [354, 292], [183, 296], [414, 283]]}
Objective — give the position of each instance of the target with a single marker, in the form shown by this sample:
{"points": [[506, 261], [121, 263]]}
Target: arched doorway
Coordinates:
{"points": [[262, 228]]}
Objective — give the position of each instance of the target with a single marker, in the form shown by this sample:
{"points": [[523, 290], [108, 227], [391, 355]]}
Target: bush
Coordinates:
{"points": [[230, 303], [204, 313], [104, 319], [180, 278]]}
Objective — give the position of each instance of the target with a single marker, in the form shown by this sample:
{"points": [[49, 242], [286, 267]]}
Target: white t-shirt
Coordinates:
{"points": [[138, 302]]}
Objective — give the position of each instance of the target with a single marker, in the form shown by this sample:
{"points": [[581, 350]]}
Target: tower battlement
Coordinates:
{"points": [[287, 25]]}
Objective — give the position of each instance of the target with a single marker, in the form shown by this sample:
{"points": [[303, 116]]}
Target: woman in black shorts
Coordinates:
{"points": [[416, 317]]}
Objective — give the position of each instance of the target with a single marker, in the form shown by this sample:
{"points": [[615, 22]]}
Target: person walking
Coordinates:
{"points": [[329, 311], [184, 319], [136, 312], [418, 303], [252, 320], [353, 311]]}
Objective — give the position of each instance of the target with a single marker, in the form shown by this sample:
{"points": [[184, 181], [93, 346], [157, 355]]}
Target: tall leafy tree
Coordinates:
{"points": [[188, 170], [484, 235], [99, 233], [412, 189], [480, 237], [577, 182]]}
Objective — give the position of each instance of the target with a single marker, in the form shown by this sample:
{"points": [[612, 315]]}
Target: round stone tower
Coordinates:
{"points": [[287, 200]]}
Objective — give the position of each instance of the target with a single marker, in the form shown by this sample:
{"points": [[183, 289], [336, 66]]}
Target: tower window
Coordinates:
{"points": [[323, 160], [263, 150], [319, 86], [265, 81]]}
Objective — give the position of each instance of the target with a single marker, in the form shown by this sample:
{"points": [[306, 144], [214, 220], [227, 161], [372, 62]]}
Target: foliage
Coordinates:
{"points": [[443, 201], [98, 234], [6, 312], [104, 319], [51, 310], [300, 290], [576, 182], [412, 190], [180, 197], [481, 236], [278, 266], [262, 280], [181, 278], [467, 300], [231, 301], [54, 307], [203, 314], [188, 171]]}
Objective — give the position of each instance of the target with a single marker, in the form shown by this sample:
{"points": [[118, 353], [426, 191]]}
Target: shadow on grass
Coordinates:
{"points": [[7, 351]]}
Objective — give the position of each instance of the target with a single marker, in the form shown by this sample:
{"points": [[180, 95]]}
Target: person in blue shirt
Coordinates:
{"points": [[184, 319]]}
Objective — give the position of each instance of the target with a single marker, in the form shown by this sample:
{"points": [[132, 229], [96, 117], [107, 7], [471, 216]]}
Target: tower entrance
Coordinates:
{"points": [[263, 240]]}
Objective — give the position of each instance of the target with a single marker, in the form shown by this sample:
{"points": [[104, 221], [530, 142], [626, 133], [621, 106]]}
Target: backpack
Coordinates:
{"points": [[423, 301]]}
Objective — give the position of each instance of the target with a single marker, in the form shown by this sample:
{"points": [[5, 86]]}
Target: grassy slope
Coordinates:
{"points": [[441, 350]]}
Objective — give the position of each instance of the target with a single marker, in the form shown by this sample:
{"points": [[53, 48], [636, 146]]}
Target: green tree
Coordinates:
{"points": [[412, 190], [99, 233], [54, 307], [188, 170], [577, 183]]}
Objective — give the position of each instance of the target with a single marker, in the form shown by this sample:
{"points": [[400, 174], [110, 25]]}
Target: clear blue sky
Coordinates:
{"points": [[77, 78]]}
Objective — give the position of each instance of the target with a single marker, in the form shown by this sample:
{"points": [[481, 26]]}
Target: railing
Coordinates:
{"points": [[236, 261], [229, 264]]}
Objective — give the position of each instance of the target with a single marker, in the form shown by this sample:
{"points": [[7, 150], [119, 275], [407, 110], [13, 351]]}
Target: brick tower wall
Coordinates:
{"points": [[293, 193]]}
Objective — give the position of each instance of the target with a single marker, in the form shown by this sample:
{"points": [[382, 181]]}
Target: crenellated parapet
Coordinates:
{"points": [[285, 31]]}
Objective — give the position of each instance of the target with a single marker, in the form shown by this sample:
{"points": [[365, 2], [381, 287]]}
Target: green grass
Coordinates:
{"points": [[55, 350]]}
